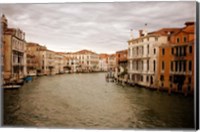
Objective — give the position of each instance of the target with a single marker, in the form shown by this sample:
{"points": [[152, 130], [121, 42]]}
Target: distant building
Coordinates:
{"points": [[143, 55], [88, 60], [44, 61], [50, 62], [73, 64], [36, 59], [122, 62], [59, 63], [112, 62], [103, 62], [176, 61], [14, 55]]}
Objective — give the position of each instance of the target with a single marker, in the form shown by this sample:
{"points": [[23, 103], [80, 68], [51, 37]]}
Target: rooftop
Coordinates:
{"points": [[85, 52]]}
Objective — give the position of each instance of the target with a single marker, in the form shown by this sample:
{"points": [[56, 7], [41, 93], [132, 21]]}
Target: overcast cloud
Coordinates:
{"points": [[101, 27]]}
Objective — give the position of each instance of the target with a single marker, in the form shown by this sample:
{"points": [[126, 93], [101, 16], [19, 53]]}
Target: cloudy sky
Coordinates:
{"points": [[100, 27]]}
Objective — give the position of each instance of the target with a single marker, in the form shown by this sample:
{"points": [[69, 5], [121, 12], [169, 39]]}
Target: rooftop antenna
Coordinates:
{"points": [[131, 34]]}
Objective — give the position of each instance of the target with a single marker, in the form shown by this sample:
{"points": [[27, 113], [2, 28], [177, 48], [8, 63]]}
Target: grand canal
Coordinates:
{"points": [[88, 101]]}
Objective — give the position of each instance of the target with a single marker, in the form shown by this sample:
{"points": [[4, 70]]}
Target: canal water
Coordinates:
{"points": [[88, 101]]}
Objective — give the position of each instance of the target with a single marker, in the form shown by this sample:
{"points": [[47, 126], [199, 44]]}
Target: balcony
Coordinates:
{"points": [[138, 72], [138, 57], [18, 64], [178, 72], [179, 57]]}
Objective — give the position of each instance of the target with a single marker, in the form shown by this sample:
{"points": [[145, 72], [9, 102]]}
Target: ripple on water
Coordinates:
{"points": [[88, 101]]}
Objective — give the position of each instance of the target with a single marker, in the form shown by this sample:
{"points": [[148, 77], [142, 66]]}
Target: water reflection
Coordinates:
{"points": [[88, 101]]}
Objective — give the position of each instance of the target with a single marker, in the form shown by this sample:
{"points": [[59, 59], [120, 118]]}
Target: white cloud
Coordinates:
{"points": [[101, 27]]}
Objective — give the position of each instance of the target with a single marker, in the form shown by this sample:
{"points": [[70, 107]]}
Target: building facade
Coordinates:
{"points": [[122, 62], [176, 61], [59, 63], [36, 59], [143, 55], [14, 53], [88, 60], [112, 62], [103, 62]]}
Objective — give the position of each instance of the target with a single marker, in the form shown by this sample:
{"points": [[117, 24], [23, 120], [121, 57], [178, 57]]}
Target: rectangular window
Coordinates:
{"points": [[181, 51], [163, 51], [162, 78], [190, 49], [19, 59], [184, 53], [163, 65], [147, 65], [172, 68], [177, 40], [180, 65], [136, 65], [190, 65], [177, 51], [142, 65], [172, 51], [184, 39], [147, 49], [176, 66], [133, 65], [184, 66], [154, 50]]}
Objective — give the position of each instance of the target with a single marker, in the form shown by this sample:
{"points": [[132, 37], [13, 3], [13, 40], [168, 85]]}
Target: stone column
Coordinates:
{"points": [[131, 65]]}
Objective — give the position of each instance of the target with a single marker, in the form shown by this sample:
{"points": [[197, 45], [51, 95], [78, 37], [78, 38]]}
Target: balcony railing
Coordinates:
{"points": [[20, 63], [139, 56], [178, 72]]}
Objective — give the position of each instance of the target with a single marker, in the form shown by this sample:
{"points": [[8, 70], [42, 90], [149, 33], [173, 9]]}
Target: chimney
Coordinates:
{"points": [[4, 22], [145, 32], [189, 23], [141, 33]]}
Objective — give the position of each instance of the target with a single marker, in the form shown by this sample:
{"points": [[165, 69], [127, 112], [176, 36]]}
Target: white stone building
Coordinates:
{"points": [[142, 58], [88, 60]]}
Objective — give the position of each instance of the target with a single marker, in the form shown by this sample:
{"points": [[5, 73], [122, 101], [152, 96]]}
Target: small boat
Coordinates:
{"points": [[28, 79], [12, 86]]}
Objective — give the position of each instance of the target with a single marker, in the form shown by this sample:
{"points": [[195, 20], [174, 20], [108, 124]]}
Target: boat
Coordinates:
{"points": [[110, 77], [11, 86], [28, 79]]}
